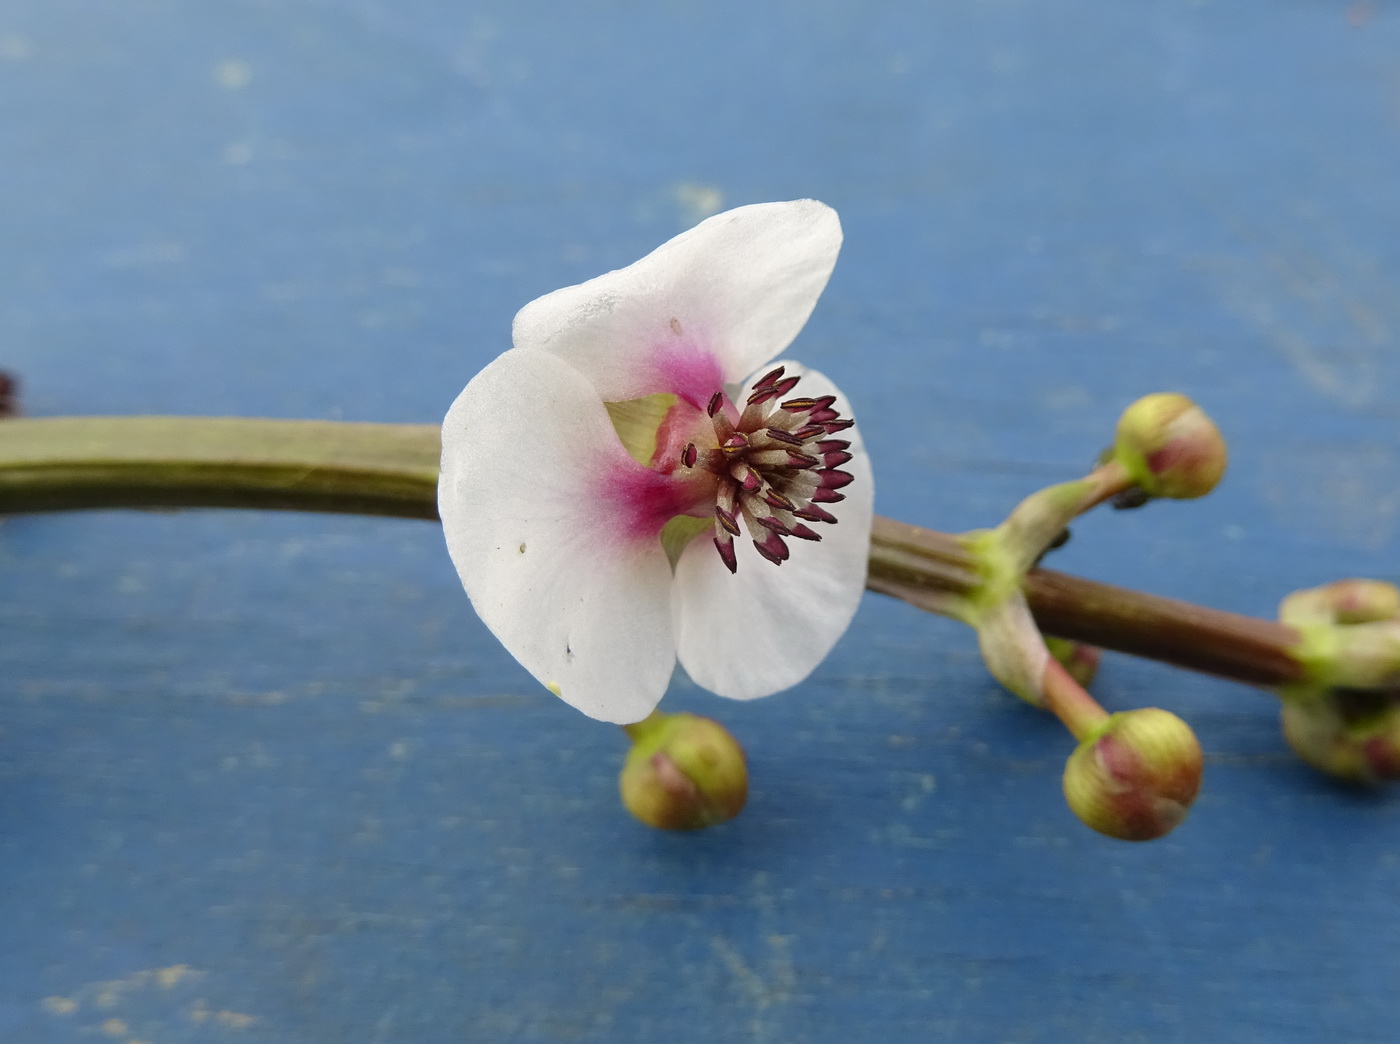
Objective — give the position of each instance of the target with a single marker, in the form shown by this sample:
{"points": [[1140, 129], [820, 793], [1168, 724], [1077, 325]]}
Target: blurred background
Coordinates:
{"points": [[267, 778]]}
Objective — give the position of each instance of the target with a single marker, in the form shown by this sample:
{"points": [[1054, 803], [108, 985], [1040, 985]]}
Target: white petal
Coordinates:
{"points": [[529, 508], [707, 308], [766, 627]]}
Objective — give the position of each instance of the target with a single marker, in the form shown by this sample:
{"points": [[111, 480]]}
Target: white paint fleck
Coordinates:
{"points": [[15, 48], [1321, 302], [233, 74], [1068, 398], [238, 153], [698, 201]]}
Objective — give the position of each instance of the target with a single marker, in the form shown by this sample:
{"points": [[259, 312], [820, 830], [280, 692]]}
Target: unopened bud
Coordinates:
{"points": [[1365, 601], [1170, 447], [1134, 777], [1080, 661], [683, 772], [1353, 601], [1353, 736]]}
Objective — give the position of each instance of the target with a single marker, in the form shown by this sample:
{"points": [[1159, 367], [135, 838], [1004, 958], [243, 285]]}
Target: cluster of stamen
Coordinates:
{"points": [[777, 464]]}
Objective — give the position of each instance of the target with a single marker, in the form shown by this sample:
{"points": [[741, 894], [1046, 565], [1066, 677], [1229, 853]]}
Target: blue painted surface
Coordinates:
{"points": [[267, 778]]}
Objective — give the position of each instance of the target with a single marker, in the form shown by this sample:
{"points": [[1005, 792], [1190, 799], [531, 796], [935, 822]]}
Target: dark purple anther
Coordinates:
{"points": [[726, 554], [786, 385], [728, 521], [735, 444], [812, 513], [766, 457], [775, 524], [772, 548], [775, 499]]}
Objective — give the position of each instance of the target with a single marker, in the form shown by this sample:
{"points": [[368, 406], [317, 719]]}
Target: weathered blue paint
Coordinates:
{"points": [[272, 767]]}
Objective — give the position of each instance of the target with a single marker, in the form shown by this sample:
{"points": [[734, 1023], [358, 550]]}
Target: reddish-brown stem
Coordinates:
{"points": [[1067, 700], [924, 567], [1244, 648]]}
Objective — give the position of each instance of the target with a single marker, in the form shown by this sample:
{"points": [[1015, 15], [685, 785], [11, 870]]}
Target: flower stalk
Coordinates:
{"points": [[1068, 700], [83, 463], [1126, 779]]}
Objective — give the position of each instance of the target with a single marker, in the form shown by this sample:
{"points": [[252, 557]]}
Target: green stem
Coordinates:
{"points": [[75, 463], [72, 463]]}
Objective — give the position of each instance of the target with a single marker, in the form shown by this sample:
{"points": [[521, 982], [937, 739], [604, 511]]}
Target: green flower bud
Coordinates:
{"points": [[1353, 736], [1079, 660], [1364, 601], [1135, 776], [1170, 447], [1354, 601], [683, 772]]}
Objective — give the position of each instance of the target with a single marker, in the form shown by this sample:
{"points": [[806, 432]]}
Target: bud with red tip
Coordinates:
{"points": [[1170, 447], [1353, 736], [1134, 777], [1343, 602], [683, 772]]}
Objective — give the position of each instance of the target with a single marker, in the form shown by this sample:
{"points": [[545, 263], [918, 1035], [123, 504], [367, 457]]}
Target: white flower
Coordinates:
{"points": [[620, 413]]}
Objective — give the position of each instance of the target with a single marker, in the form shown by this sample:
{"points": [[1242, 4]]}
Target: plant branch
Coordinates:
{"points": [[78, 463]]}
